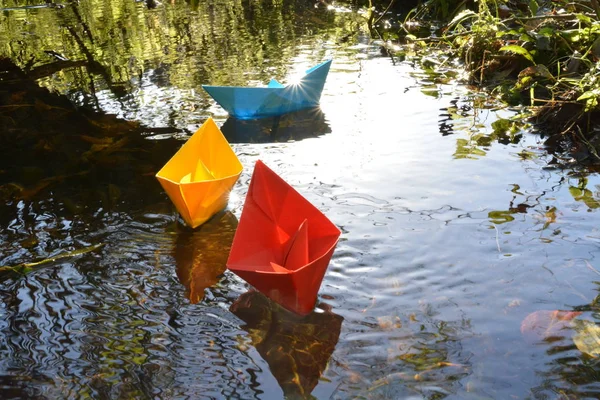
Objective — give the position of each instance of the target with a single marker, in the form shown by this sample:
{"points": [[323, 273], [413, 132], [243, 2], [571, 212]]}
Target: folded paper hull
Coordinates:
{"points": [[276, 99], [283, 243], [296, 291], [200, 176]]}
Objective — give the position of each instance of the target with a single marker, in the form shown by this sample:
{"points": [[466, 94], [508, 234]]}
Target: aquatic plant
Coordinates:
{"points": [[542, 56]]}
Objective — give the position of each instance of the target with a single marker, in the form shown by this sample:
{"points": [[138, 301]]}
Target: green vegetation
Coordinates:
{"points": [[95, 45], [541, 55]]}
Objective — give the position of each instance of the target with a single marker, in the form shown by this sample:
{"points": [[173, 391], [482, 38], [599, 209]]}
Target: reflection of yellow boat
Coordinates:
{"points": [[199, 177], [201, 254]]}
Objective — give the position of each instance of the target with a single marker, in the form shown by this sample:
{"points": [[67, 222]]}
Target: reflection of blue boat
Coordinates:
{"points": [[275, 99], [293, 126]]}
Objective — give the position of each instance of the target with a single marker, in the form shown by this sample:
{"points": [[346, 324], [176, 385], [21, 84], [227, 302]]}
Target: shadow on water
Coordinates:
{"points": [[201, 254], [296, 348], [64, 166], [299, 125]]}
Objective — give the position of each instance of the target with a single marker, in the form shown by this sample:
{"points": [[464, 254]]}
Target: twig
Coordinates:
{"points": [[590, 267], [590, 147], [389, 53], [558, 102], [497, 240], [21, 268], [384, 11], [542, 17], [444, 38]]}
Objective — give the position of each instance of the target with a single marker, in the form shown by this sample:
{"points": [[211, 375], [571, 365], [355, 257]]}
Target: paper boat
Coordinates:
{"points": [[275, 99], [283, 243], [199, 177]]}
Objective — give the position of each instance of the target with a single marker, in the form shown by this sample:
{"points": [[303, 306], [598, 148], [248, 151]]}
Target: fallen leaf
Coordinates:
{"points": [[545, 324], [587, 338]]}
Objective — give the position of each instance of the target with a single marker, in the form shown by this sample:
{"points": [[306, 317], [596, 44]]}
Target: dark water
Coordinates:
{"points": [[456, 226]]}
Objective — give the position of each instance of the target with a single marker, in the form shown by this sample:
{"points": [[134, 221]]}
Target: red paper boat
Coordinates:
{"points": [[283, 243]]}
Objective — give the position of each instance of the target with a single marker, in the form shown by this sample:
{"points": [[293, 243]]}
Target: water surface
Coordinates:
{"points": [[456, 225]]}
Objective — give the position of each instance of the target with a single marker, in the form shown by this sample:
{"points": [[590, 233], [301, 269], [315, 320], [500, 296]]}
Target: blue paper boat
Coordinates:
{"points": [[275, 99]]}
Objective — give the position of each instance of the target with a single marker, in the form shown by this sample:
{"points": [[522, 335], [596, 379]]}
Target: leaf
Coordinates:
{"points": [[465, 149], [549, 217], [500, 217], [589, 94], [533, 6], [584, 18], [526, 38], [587, 338], [511, 32], [461, 16], [520, 50], [584, 195], [571, 35], [388, 323], [547, 31], [544, 325]]}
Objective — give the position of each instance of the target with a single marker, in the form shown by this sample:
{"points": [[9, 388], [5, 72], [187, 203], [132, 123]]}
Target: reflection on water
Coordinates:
{"points": [[303, 124], [201, 254], [296, 348], [580, 192], [124, 57]]}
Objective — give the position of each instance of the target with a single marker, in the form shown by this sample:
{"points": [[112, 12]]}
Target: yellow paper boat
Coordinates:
{"points": [[199, 177]]}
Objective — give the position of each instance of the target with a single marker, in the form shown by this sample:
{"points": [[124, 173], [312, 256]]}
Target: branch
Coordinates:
{"points": [[384, 11], [545, 16], [444, 38]]}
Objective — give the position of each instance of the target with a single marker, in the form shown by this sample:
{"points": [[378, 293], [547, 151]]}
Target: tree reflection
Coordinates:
{"points": [[467, 118], [118, 41], [296, 348], [477, 144]]}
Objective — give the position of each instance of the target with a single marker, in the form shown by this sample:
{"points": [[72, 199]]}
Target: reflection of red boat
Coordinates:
{"points": [[283, 243], [296, 348]]}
